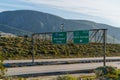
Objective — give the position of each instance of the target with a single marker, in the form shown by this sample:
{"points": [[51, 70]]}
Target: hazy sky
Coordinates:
{"points": [[101, 11]]}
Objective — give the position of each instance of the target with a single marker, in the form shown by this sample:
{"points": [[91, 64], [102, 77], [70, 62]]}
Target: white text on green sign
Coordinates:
{"points": [[81, 37], [59, 38]]}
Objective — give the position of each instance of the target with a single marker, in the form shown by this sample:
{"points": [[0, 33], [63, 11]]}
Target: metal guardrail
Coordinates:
{"points": [[55, 73], [22, 64]]}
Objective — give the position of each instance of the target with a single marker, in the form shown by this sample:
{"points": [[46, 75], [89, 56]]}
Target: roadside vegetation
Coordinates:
{"points": [[21, 48], [107, 73], [101, 73], [3, 70]]}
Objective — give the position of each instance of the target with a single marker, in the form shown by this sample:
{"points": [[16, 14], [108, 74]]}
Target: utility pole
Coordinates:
{"points": [[113, 39]]}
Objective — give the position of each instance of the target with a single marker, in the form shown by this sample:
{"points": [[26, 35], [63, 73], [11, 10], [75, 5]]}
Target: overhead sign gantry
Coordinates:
{"points": [[76, 37]]}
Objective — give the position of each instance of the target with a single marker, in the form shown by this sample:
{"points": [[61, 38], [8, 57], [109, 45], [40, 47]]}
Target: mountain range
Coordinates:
{"points": [[26, 22]]}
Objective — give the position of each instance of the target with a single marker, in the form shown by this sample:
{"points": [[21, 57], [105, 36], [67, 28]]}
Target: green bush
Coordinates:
{"points": [[106, 72]]}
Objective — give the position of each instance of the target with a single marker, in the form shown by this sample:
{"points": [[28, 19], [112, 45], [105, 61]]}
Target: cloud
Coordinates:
{"points": [[108, 9], [105, 9], [83, 6], [13, 5]]}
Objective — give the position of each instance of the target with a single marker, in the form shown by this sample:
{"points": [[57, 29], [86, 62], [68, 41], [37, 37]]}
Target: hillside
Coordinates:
{"points": [[20, 48], [22, 22]]}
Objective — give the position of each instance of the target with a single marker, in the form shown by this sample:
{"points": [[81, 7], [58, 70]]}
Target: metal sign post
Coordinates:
{"points": [[33, 49], [104, 46]]}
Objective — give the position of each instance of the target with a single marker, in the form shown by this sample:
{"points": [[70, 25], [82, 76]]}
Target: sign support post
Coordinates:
{"points": [[32, 49], [104, 46]]}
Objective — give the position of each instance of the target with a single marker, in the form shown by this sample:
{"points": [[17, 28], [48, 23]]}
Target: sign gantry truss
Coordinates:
{"points": [[75, 37]]}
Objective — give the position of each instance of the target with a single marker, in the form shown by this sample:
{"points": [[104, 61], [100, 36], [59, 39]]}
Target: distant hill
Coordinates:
{"points": [[2, 34], [22, 22]]}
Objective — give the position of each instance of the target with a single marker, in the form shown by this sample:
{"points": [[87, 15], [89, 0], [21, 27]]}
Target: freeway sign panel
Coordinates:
{"points": [[59, 38], [81, 37]]}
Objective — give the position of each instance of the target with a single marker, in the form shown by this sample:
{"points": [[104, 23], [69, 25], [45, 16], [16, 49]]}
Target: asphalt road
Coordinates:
{"points": [[56, 68]]}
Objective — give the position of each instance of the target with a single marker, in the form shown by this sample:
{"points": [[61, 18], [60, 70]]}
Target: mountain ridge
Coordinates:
{"points": [[22, 22]]}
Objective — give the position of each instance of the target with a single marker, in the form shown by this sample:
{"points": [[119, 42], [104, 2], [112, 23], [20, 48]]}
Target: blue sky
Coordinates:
{"points": [[101, 11]]}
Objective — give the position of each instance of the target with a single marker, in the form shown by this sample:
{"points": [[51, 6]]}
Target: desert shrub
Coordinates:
{"points": [[2, 68], [67, 77], [106, 72], [86, 77]]}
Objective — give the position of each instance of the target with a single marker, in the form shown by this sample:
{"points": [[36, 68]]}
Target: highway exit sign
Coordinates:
{"points": [[81, 37], [59, 38]]}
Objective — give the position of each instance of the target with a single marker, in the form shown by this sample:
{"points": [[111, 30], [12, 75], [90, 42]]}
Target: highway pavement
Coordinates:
{"points": [[41, 69]]}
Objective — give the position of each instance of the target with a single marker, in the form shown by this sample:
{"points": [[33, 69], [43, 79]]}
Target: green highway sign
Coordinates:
{"points": [[59, 38], [81, 37]]}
